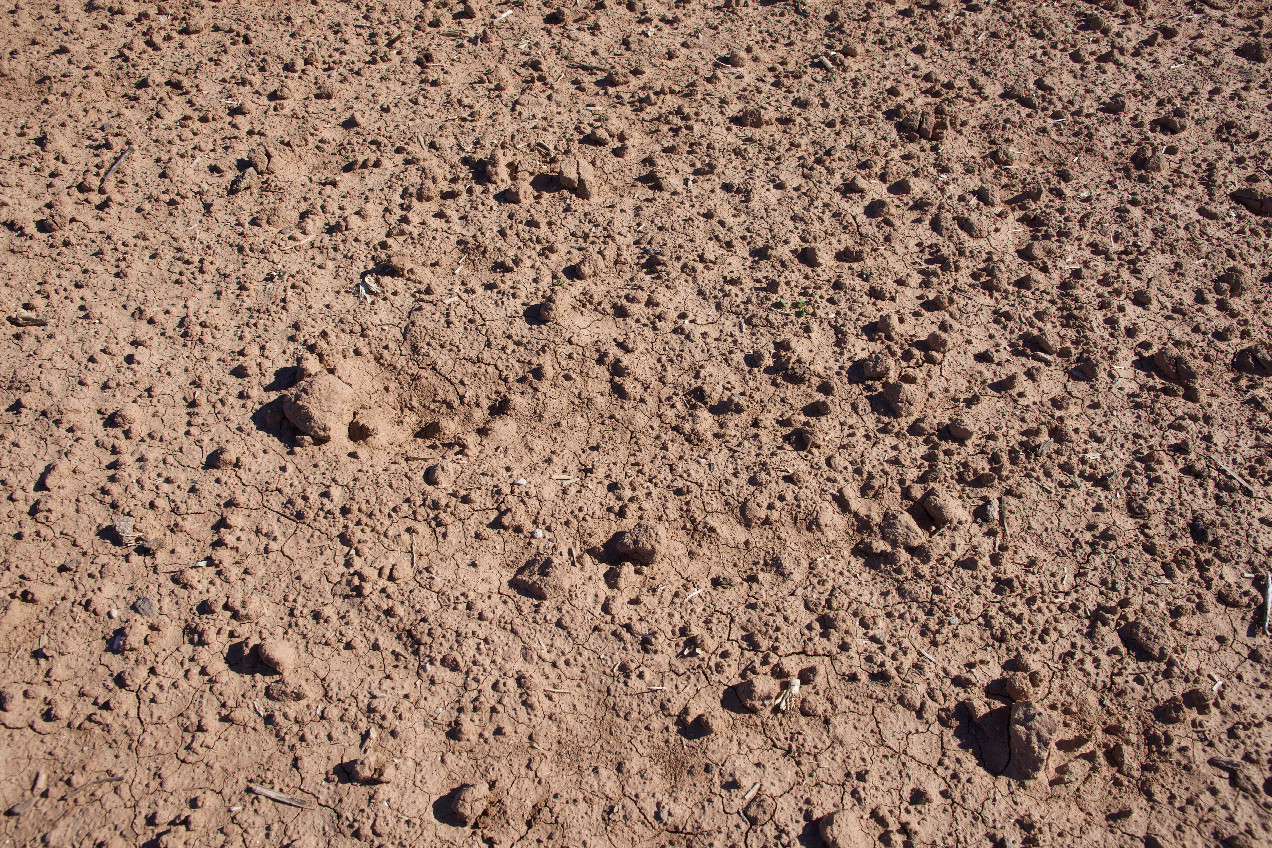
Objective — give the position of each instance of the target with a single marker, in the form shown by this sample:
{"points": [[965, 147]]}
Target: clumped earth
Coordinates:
{"points": [[756, 423]]}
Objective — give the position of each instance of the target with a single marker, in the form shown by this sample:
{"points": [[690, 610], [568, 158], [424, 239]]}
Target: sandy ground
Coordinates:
{"points": [[758, 424]]}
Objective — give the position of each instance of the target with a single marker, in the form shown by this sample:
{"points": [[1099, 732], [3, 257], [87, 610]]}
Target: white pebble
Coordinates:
{"points": [[113, 614], [521, 481], [536, 533]]}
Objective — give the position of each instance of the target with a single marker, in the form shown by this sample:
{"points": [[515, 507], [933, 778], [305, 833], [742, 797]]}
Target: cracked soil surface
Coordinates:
{"points": [[660, 424]]}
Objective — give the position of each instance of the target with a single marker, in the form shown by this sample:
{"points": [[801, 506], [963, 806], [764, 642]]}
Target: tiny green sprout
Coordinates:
{"points": [[558, 283]]}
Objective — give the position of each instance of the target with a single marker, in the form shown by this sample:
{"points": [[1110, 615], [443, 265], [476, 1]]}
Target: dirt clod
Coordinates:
{"points": [[843, 829], [373, 768], [639, 544], [279, 655], [469, 802], [758, 694], [1149, 637], [321, 406], [1033, 731], [640, 423]]}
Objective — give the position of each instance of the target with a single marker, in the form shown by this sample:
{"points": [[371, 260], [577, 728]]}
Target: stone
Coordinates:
{"points": [[1017, 686], [888, 325]]}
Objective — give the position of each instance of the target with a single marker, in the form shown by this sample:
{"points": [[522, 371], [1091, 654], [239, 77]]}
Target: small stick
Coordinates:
{"points": [[296, 244], [750, 793], [91, 784], [1267, 601], [504, 15], [101, 187], [257, 789], [1234, 475]]}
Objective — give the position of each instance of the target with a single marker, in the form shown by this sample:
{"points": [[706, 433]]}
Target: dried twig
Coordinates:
{"points": [[101, 187], [24, 318], [257, 789], [89, 785], [296, 244], [1223, 466], [1267, 601]]}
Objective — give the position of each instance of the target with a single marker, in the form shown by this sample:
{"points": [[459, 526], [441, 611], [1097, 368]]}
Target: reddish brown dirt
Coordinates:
{"points": [[758, 424]]}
